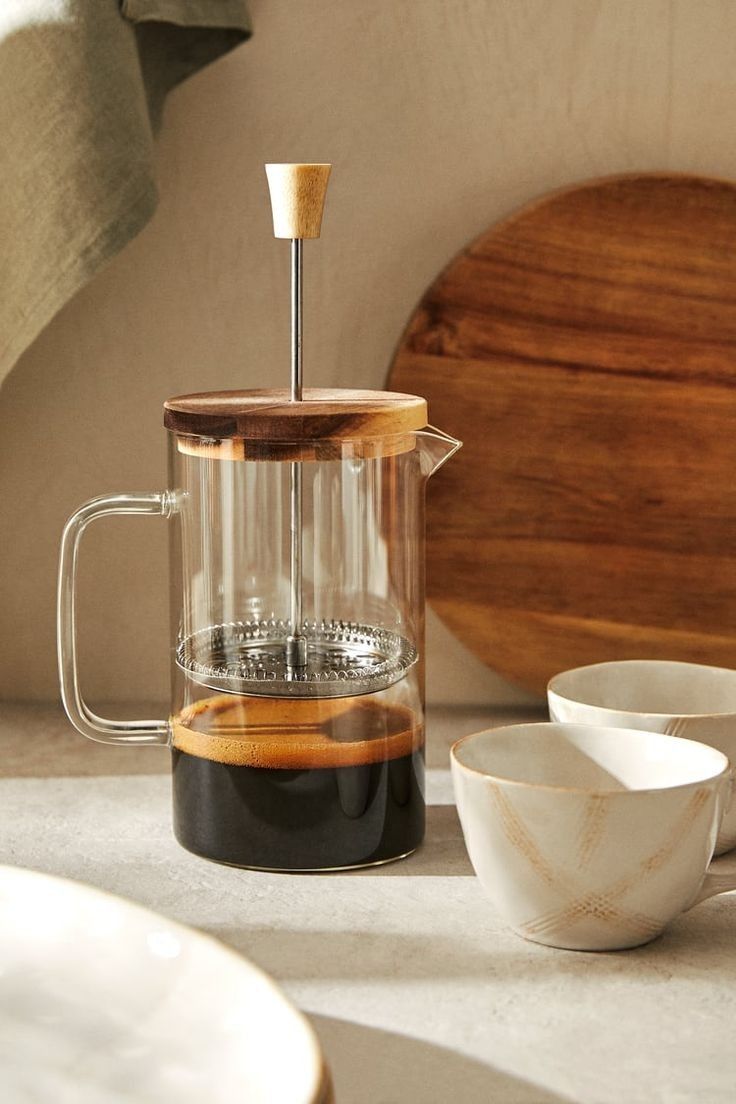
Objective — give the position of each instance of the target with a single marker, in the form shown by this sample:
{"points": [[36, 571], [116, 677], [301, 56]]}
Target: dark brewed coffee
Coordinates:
{"points": [[298, 785]]}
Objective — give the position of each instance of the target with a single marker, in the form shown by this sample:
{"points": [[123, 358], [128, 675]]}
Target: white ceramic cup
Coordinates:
{"points": [[679, 699], [590, 838]]}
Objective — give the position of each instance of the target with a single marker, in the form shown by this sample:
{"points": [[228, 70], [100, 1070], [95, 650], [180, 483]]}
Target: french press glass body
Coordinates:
{"points": [[278, 764]]}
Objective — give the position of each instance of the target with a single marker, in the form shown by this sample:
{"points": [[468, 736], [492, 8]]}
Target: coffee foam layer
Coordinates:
{"points": [[280, 733]]}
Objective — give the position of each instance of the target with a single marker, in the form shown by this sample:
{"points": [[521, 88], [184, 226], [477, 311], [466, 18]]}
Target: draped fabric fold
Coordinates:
{"points": [[82, 87]]}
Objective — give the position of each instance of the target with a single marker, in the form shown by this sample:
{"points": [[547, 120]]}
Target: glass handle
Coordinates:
{"points": [[83, 719]]}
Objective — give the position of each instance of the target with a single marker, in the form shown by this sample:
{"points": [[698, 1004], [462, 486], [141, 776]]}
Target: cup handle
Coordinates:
{"points": [[715, 883], [717, 880], [81, 716]]}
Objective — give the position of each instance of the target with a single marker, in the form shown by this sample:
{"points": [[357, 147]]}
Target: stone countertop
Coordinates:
{"points": [[417, 991]]}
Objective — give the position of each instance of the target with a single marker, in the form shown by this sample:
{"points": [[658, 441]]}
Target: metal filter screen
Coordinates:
{"points": [[344, 658]]}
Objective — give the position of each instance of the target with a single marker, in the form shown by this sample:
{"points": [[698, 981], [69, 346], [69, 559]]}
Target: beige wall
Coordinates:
{"points": [[440, 116]]}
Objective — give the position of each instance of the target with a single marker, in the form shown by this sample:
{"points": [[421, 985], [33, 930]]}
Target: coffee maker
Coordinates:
{"points": [[296, 520]]}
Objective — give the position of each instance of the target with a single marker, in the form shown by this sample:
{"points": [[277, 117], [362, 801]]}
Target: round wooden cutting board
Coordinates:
{"points": [[585, 352]]}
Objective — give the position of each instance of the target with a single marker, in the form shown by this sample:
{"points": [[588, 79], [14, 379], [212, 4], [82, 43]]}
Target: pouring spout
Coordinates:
{"points": [[436, 448]]}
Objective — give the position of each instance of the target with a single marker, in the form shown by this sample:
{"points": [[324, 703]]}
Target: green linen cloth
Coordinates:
{"points": [[82, 85]]}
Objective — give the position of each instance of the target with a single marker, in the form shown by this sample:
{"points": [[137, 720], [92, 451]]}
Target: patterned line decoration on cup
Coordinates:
{"points": [[600, 905]]}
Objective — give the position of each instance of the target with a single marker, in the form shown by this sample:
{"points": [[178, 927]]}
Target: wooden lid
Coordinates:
{"points": [[323, 414]]}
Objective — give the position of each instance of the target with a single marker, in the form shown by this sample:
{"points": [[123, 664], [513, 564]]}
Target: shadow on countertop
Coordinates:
{"points": [[371, 1065], [442, 854]]}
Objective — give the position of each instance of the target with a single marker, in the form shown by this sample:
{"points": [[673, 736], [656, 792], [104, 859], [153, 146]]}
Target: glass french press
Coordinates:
{"points": [[297, 598]]}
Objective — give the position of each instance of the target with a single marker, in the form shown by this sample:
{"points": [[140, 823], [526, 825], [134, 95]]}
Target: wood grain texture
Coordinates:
{"points": [[270, 415], [297, 199], [585, 352]]}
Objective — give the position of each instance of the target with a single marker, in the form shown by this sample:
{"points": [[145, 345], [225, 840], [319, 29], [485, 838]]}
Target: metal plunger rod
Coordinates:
{"points": [[296, 643], [297, 200], [297, 270]]}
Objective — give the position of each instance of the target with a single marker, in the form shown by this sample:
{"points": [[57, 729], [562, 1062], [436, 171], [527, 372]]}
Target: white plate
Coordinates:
{"points": [[103, 1001]]}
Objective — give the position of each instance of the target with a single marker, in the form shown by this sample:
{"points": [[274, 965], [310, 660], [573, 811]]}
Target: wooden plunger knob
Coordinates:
{"points": [[297, 199]]}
